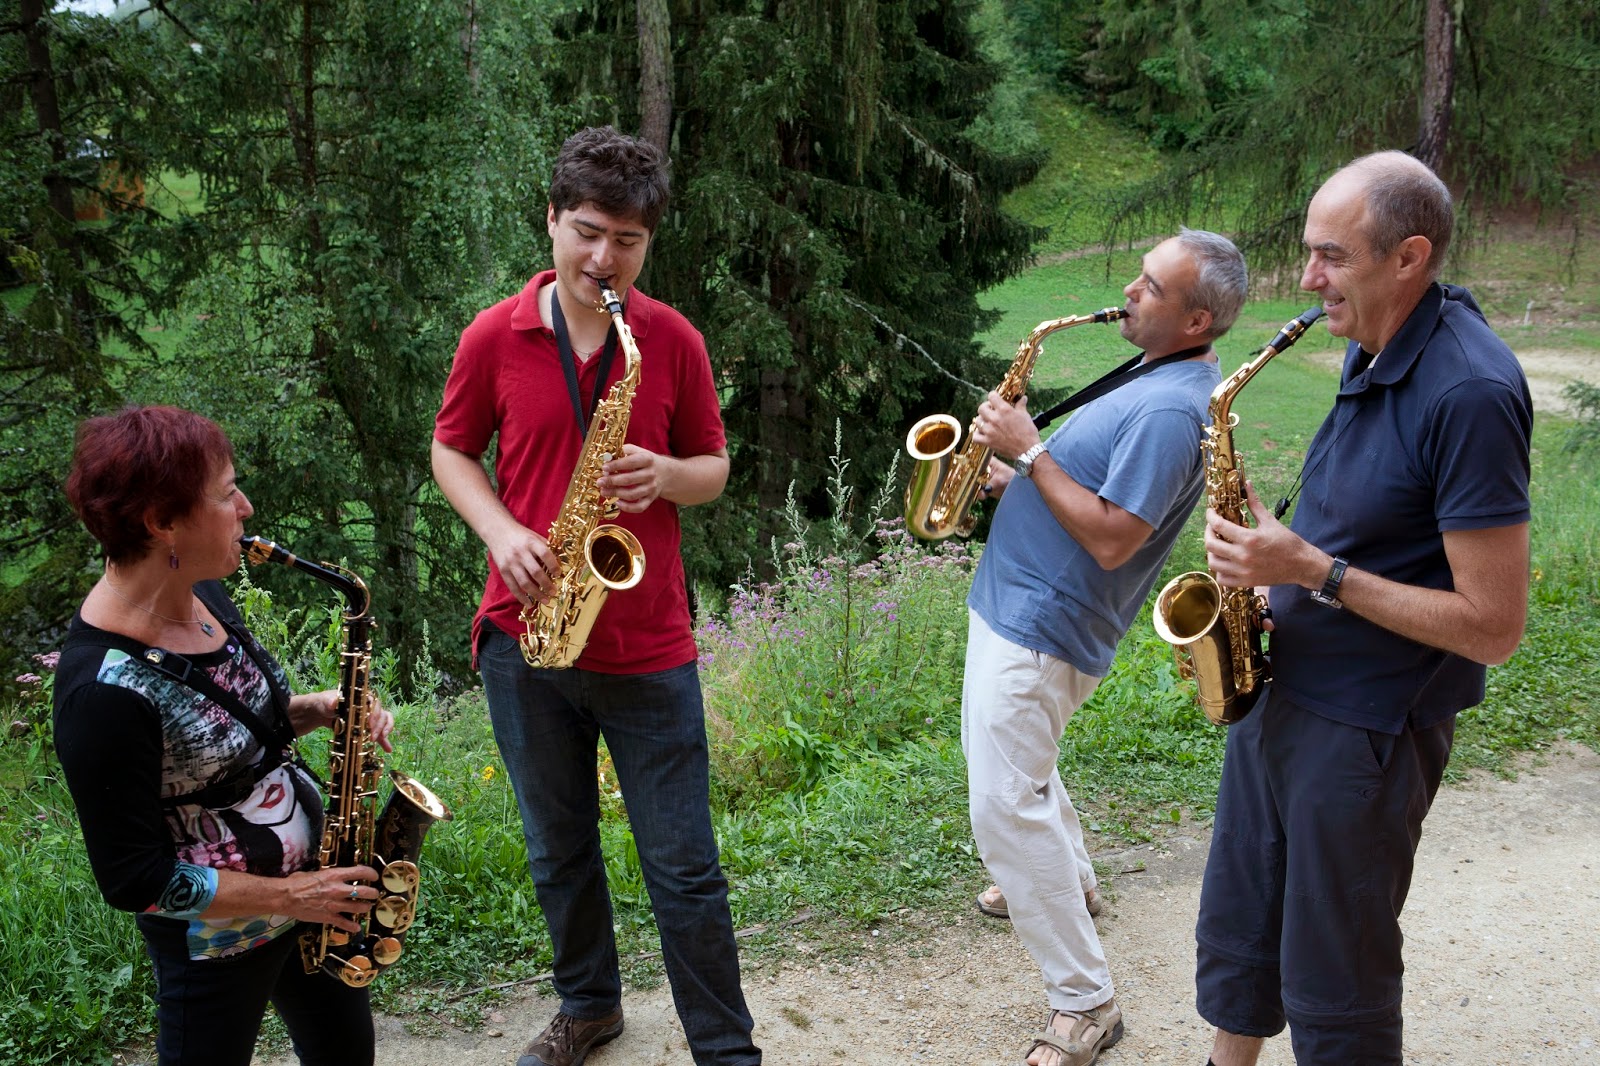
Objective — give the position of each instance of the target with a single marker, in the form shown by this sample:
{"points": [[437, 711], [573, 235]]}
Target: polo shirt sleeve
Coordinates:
{"points": [[1478, 453], [1153, 464], [468, 417], [696, 427]]}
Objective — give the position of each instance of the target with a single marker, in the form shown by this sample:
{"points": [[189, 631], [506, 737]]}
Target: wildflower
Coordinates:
{"points": [[48, 660], [29, 679], [488, 773]]}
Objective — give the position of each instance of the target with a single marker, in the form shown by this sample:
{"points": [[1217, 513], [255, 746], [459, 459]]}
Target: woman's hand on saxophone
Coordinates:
{"points": [[335, 896], [314, 710], [1268, 554]]}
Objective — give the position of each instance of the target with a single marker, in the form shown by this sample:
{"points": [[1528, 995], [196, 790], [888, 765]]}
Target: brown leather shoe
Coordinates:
{"points": [[567, 1041]]}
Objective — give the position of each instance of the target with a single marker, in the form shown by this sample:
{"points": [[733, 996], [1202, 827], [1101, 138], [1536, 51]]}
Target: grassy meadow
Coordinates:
{"points": [[833, 696]]}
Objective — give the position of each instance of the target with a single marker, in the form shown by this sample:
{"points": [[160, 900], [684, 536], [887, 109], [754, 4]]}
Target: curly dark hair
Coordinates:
{"points": [[621, 175]]}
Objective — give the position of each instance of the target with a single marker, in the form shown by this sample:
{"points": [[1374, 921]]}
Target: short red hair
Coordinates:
{"points": [[141, 463]]}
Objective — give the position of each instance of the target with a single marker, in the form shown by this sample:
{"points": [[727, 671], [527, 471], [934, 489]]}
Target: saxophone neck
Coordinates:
{"points": [[1016, 379], [259, 550]]}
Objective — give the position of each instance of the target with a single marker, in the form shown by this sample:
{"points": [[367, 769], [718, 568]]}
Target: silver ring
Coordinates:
{"points": [[355, 893]]}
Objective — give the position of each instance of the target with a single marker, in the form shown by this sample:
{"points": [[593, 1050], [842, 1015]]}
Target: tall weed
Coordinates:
{"points": [[854, 650]]}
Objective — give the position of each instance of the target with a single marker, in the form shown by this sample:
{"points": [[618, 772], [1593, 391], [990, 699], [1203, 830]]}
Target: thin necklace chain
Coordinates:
{"points": [[205, 627]]}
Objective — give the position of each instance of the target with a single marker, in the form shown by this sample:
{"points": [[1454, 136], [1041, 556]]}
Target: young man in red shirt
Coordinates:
{"points": [[529, 371]]}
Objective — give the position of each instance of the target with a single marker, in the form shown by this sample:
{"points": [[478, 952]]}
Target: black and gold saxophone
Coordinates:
{"points": [[596, 556], [945, 482], [351, 836], [1215, 630]]}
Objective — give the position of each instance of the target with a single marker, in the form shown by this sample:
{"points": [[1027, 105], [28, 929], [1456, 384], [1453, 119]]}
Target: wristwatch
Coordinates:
{"points": [[1025, 460], [1328, 594]]}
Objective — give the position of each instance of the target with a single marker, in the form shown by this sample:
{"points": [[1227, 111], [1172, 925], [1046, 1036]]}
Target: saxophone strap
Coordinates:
{"points": [[1115, 379], [569, 365], [275, 737]]}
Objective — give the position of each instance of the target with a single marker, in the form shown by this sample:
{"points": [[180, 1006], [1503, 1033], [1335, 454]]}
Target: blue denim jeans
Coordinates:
{"points": [[547, 724]]}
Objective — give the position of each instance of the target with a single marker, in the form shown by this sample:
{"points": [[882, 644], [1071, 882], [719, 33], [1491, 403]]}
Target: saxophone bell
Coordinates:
{"points": [[1215, 630], [596, 557], [945, 481], [390, 843]]}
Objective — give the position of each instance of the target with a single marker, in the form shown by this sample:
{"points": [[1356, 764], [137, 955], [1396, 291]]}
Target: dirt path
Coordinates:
{"points": [[1502, 944]]}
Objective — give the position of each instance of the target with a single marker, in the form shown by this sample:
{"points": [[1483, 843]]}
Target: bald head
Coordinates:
{"points": [[1403, 199]]}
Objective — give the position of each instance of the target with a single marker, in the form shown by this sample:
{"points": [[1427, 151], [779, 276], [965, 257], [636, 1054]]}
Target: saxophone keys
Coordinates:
{"points": [[401, 877], [395, 913], [357, 971], [387, 951]]}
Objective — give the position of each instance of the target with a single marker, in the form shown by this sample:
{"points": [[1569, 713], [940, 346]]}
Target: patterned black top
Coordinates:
{"points": [[133, 740]]}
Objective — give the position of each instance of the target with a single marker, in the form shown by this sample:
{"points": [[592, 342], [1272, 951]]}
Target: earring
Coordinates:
{"points": [[172, 559]]}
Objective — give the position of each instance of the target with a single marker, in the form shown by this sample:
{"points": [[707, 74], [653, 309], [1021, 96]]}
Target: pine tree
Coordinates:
{"points": [[70, 87], [834, 201], [364, 174], [1497, 97]]}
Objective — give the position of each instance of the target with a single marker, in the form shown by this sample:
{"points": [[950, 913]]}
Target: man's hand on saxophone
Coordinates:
{"points": [[1005, 427], [1267, 554], [637, 478]]}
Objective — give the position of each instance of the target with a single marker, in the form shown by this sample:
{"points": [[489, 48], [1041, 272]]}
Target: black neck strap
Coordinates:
{"points": [[1114, 379], [569, 364]]}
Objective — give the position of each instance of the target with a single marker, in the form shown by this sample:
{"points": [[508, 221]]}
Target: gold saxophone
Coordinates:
{"points": [[944, 482], [1225, 661], [390, 844], [595, 558]]}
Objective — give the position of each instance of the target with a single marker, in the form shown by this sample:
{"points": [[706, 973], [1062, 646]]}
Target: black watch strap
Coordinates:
{"points": [[1328, 594]]}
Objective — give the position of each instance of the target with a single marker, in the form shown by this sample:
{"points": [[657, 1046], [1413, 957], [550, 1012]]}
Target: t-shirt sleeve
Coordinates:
{"points": [[697, 417], [1153, 463], [1478, 453], [467, 417], [109, 742]]}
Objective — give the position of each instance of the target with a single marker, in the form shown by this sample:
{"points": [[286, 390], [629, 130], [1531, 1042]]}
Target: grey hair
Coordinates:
{"points": [[1405, 199], [1220, 278]]}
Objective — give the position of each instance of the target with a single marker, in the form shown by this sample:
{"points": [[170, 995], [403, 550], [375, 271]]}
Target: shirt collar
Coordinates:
{"points": [[1394, 363], [525, 315]]}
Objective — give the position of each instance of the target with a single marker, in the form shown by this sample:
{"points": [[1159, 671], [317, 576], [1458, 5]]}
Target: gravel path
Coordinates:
{"points": [[1503, 948]]}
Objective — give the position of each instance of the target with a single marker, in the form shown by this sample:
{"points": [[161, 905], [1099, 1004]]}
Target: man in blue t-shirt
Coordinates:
{"points": [[1404, 572], [1085, 522]]}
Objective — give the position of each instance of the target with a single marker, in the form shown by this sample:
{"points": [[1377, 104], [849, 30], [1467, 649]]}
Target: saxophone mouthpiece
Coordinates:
{"points": [[1110, 314], [612, 302], [261, 550], [1295, 327]]}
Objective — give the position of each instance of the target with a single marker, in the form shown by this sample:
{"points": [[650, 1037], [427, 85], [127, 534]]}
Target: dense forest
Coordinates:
{"points": [[283, 214]]}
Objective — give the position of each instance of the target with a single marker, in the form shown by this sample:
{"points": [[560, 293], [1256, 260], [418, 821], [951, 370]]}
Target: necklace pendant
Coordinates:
{"points": [[208, 629]]}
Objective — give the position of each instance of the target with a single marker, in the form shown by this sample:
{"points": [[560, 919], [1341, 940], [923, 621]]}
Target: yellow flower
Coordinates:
{"points": [[488, 773]]}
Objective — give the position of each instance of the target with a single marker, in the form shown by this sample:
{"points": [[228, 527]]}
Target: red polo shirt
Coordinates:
{"points": [[507, 380]]}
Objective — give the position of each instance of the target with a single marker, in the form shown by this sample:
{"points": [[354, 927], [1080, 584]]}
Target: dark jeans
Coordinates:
{"points": [[1311, 858], [547, 724], [209, 1012]]}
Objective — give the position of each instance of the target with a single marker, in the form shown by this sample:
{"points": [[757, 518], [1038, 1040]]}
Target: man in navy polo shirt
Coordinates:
{"points": [[1403, 573]]}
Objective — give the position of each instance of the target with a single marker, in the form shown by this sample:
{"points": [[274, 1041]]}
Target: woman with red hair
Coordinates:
{"points": [[176, 730]]}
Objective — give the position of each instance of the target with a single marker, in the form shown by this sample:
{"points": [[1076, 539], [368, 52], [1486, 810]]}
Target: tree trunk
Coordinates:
{"points": [[655, 73], [1438, 80], [47, 114]]}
